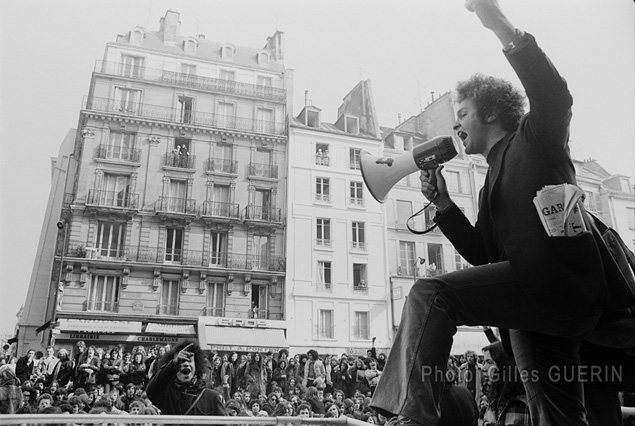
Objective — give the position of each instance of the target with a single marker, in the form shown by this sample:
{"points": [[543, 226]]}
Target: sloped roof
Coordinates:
{"points": [[329, 128]]}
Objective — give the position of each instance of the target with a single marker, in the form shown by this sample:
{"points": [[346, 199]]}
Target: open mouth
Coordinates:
{"points": [[186, 371], [462, 134]]}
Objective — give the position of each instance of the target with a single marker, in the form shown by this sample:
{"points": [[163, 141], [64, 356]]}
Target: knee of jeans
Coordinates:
{"points": [[423, 288]]}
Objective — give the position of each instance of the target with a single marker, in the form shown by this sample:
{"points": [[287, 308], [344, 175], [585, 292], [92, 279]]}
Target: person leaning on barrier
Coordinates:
{"points": [[178, 387]]}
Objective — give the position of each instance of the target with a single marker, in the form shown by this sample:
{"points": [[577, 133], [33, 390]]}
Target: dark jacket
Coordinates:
{"points": [[561, 276], [174, 397]]}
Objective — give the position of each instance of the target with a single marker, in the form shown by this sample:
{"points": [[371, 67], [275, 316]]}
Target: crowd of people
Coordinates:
{"points": [[101, 380]]}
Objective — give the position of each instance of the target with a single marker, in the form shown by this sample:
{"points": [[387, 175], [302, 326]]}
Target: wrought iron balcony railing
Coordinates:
{"points": [[262, 170], [119, 153], [357, 202], [167, 310], [266, 214], [181, 161], [354, 165], [222, 166], [259, 313], [189, 80], [155, 255], [210, 311], [322, 160], [359, 245], [157, 112], [360, 288], [324, 242], [101, 306], [175, 205], [216, 208], [323, 198], [361, 332], [122, 199]]}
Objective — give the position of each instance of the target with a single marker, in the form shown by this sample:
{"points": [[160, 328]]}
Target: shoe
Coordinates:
{"points": [[401, 421]]}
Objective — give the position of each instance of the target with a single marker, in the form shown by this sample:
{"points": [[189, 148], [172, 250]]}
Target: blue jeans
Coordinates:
{"points": [[412, 380]]}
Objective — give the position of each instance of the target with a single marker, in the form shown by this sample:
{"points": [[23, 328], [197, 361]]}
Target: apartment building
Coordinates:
{"points": [[170, 203]]}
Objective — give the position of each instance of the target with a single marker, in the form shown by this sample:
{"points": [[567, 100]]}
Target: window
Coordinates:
{"points": [[322, 154], [362, 326], [173, 244], [435, 260], [131, 66], [220, 194], [227, 75], [169, 298], [359, 277], [313, 119], [265, 121], [189, 46], [176, 200], [406, 258], [263, 58], [352, 125], [136, 37], [264, 81], [358, 238], [184, 109], [429, 214], [322, 190], [226, 115], [218, 249], [188, 69], [227, 52], [259, 301], [103, 294], [630, 217], [110, 238], [121, 146], [354, 155], [453, 180], [459, 262], [324, 273], [323, 230], [325, 329], [357, 194], [115, 191], [127, 100], [404, 211], [262, 205], [215, 304], [260, 250], [591, 201], [625, 185]]}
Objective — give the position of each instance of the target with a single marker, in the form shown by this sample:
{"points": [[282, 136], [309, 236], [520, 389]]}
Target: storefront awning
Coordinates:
{"points": [[241, 339]]}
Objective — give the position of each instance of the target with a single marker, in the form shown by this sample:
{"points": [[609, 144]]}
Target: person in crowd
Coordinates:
{"points": [[343, 381], [112, 368], [126, 361], [255, 369], [314, 371], [470, 375], [303, 410], [317, 406], [178, 387], [48, 366], [358, 375], [44, 400], [280, 374], [88, 369], [129, 396], [79, 403], [136, 370], [161, 350], [64, 370], [11, 397], [78, 353], [24, 367], [506, 398]]}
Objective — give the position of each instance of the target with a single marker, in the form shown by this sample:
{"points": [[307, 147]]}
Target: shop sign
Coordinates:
{"points": [[118, 338], [357, 351], [99, 326], [233, 348], [170, 328], [242, 322]]}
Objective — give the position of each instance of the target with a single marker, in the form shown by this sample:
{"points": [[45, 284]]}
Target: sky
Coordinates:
{"points": [[411, 50]]}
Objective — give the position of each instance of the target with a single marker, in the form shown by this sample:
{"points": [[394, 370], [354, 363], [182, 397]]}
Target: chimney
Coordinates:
{"points": [[201, 37], [306, 98], [275, 44], [170, 26]]}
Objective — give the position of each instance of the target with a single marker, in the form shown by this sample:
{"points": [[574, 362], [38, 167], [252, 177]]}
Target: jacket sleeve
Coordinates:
{"points": [[159, 383], [466, 238]]}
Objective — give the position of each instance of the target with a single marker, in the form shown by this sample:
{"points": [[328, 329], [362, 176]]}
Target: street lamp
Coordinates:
{"points": [[420, 260]]}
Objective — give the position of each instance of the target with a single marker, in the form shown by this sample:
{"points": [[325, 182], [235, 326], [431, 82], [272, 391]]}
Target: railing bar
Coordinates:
{"points": [[15, 419]]}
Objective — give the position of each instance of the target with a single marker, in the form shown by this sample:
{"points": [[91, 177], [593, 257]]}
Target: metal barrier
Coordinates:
{"points": [[118, 419]]}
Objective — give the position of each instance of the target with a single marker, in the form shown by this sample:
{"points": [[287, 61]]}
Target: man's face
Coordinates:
{"points": [[50, 352], [333, 409], [304, 412], [470, 128], [26, 396], [135, 409], [44, 403], [186, 371], [30, 354]]}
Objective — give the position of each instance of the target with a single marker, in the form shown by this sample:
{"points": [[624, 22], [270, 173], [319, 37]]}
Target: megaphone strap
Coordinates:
{"points": [[430, 229]]}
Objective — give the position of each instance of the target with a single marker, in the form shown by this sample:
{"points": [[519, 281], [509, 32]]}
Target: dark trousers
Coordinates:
{"points": [[413, 377]]}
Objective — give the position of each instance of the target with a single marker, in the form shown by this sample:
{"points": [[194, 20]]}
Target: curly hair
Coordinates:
{"points": [[199, 357], [493, 96]]}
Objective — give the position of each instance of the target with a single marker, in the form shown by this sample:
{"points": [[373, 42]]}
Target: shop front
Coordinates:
{"points": [[242, 335]]}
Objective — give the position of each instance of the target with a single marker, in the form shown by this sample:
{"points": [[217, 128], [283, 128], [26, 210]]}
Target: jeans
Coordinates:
{"points": [[412, 380]]}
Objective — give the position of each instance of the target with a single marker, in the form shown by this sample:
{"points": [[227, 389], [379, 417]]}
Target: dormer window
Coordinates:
{"points": [[227, 52], [136, 36], [190, 45], [352, 125], [313, 119], [263, 58]]}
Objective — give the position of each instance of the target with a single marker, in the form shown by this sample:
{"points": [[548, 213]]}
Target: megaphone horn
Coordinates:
{"points": [[382, 173]]}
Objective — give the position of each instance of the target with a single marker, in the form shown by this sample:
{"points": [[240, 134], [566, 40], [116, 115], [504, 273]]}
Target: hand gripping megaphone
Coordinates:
{"points": [[382, 173]]}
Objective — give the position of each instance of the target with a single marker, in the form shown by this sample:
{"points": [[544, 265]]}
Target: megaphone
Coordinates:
{"points": [[382, 173]]}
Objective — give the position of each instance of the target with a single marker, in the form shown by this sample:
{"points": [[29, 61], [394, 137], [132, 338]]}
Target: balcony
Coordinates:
{"points": [[325, 332], [359, 246], [256, 262], [210, 311], [355, 202], [167, 310], [360, 288], [354, 165], [173, 115], [264, 214], [323, 243], [175, 205], [218, 209], [101, 306], [322, 159], [262, 170], [215, 165], [194, 81], [118, 153], [259, 313], [323, 198], [179, 161], [115, 199]]}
